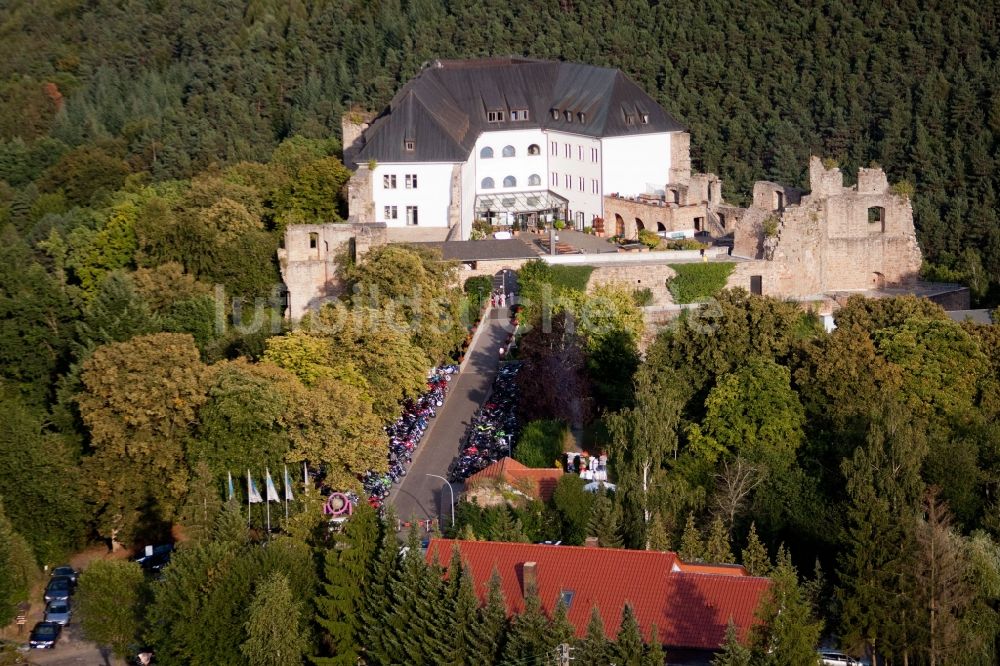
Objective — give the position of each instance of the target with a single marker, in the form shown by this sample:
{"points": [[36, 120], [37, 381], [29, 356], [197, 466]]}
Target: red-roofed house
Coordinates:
{"points": [[690, 604], [540, 483]]}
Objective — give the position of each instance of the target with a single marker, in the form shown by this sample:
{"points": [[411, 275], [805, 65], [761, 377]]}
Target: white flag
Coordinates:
{"points": [[272, 492], [305, 476], [252, 493], [288, 487]]}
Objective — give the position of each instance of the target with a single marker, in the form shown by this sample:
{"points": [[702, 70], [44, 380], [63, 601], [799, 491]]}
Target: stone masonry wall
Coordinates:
{"points": [[654, 215]]}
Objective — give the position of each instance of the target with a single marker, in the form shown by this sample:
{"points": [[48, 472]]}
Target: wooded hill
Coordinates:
{"points": [[172, 88]]}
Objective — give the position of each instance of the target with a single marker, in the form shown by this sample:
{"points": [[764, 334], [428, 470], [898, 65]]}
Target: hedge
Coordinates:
{"points": [[697, 282], [541, 443]]}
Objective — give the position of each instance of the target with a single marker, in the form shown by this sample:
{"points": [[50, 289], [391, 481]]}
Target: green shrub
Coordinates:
{"points": [[535, 274], [541, 443], [643, 297], [697, 282], [685, 244], [903, 188], [770, 227], [649, 238], [559, 225]]}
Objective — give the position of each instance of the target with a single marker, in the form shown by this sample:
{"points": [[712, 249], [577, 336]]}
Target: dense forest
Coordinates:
{"points": [[151, 153]]}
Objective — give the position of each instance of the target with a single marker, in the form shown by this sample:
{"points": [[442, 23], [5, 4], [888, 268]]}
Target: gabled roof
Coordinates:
{"points": [[443, 109], [542, 481], [690, 609]]}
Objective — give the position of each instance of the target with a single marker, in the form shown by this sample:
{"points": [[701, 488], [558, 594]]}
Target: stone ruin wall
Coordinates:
{"points": [[825, 241], [310, 273]]}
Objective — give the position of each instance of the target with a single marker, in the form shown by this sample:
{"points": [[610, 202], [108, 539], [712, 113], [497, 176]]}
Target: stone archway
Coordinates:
{"points": [[619, 225], [661, 227], [639, 226]]}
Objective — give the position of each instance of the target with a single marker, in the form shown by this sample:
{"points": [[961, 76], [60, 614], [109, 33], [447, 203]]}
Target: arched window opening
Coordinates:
{"points": [[510, 181], [508, 151], [534, 179], [486, 153], [534, 149], [487, 184]]}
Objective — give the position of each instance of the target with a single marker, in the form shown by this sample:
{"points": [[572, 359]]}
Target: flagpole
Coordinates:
{"points": [[287, 488], [267, 502], [248, 497]]}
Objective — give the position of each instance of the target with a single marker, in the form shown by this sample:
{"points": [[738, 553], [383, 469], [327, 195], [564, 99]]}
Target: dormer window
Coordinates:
{"points": [[555, 114], [494, 116], [582, 117], [519, 114], [568, 115], [629, 119], [410, 145], [644, 118]]}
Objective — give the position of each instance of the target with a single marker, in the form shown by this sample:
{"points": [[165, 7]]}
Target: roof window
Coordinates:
{"points": [[555, 114], [644, 117], [519, 114], [494, 116], [410, 145], [566, 597], [582, 117], [629, 119], [568, 115]]}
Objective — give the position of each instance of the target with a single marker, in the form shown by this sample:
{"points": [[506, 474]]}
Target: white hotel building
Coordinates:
{"points": [[510, 140]]}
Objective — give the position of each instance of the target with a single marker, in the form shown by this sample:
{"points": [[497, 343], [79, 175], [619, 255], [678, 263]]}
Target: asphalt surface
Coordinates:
{"points": [[422, 497]]}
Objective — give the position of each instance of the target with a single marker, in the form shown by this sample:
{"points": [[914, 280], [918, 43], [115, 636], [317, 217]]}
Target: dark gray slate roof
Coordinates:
{"points": [[976, 316], [444, 108], [482, 250]]}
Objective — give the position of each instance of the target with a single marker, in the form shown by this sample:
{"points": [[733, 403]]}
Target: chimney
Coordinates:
{"points": [[530, 578], [590, 542]]}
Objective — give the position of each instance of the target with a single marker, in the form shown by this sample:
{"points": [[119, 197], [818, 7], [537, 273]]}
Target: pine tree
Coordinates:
{"points": [[202, 506], [692, 547], [460, 604], [717, 547], [275, 636], [604, 523], [231, 525], [348, 569], [529, 638], [491, 630], [788, 631], [561, 630], [595, 648], [733, 652], [377, 601], [754, 556], [656, 535], [654, 655], [628, 644]]}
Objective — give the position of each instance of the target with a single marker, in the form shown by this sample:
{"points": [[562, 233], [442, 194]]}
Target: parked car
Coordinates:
{"points": [[59, 589], [68, 571], [154, 558], [834, 658], [45, 635], [59, 612]]}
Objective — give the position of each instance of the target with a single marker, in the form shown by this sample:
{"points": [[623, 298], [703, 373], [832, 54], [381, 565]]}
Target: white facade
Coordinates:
{"points": [[636, 164], [575, 173], [401, 201], [582, 169]]}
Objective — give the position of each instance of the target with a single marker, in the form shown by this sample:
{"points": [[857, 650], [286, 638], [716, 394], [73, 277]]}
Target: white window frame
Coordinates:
{"points": [[391, 213], [411, 181], [412, 216], [389, 181]]}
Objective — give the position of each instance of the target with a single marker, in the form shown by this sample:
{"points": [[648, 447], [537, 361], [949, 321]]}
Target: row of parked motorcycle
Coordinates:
{"points": [[406, 432], [494, 427]]}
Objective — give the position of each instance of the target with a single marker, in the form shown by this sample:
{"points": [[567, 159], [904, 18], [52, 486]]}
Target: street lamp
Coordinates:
{"points": [[450, 492]]}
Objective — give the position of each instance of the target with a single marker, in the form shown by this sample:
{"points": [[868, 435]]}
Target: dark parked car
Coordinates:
{"points": [[58, 612], [154, 558], [68, 571], [45, 635], [59, 589]]}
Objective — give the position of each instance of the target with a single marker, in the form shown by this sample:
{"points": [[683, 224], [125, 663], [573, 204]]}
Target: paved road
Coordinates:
{"points": [[420, 496]]}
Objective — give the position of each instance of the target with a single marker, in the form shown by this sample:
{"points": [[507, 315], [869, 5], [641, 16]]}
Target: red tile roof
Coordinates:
{"points": [[691, 609], [542, 481]]}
